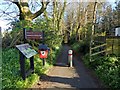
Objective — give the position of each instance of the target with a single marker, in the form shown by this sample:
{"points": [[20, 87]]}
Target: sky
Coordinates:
{"points": [[3, 23]]}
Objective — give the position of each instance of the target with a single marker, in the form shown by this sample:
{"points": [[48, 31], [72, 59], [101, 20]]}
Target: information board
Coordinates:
{"points": [[33, 35], [26, 50]]}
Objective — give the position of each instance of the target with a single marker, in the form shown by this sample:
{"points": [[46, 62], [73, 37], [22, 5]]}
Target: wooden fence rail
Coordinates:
{"points": [[98, 46], [105, 44]]}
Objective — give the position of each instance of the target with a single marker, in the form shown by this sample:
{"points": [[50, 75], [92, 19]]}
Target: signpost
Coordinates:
{"points": [[29, 34], [33, 35], [26, 51]]}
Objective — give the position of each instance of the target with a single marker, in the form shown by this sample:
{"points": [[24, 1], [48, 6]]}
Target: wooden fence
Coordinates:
{"points": [[106, 45], [113, 45]]}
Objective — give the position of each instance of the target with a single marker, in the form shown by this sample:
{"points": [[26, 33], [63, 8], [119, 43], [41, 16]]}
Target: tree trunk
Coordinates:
{"points": [[77, 30], [61, 15], [54, 14], [25, 13]]}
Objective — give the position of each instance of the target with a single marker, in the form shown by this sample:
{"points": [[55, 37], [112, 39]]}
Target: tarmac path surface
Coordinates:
{"points": [[63, 76]]}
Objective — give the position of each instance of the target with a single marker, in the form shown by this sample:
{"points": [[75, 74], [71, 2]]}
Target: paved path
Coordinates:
{"points": [[62, 76]]}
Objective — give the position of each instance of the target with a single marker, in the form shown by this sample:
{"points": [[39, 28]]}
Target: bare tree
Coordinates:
{"points": [[58, 12], [25, 12]]}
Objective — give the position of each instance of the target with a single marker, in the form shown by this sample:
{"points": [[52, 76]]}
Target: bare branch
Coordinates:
{"points": [[44, 6], [18, 5]]}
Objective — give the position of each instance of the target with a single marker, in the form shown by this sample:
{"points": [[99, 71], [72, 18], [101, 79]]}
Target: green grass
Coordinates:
{"points": [[11, 77], [10, 71]]}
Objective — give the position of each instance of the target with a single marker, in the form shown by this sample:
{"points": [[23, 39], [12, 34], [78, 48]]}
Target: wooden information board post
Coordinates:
{"points": [[34, 35], [26, 51]]}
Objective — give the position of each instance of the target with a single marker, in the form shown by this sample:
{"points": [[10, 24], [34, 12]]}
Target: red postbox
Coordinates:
{"points": [[43, 54], [43, 51]]}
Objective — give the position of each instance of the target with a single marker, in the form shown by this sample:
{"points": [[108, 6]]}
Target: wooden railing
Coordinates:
{"points": [[103, 43], [99, 46]]}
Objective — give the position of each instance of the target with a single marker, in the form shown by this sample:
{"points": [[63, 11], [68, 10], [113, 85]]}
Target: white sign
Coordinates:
{"points": [[117, 31]]}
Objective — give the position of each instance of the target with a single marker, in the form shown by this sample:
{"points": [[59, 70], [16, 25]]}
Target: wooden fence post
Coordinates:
{"points": [[0, 59]]}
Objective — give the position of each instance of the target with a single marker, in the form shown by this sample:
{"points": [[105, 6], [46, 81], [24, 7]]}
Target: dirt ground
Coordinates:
{"points": [[63, 76]]}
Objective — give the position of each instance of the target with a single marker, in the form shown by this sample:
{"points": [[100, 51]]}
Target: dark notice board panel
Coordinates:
{"points": [[33, 35], [26, 50]]}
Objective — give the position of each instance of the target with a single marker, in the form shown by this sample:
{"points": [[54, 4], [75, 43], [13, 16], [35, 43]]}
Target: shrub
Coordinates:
{"points": [[10, 71], [84, 47], [11, 77], [80, 47], [86, 60], [107, 68], [76, 47], [109, 75]]}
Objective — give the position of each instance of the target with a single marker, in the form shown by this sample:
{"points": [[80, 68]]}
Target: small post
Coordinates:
{"points": [[0, 38], [0, 58], [44, 61], [32, 63], [22, 65], [0, 32], [112, 45], [43, 52], [24, 35], [51, 55], [43, 41], [70, 58]]}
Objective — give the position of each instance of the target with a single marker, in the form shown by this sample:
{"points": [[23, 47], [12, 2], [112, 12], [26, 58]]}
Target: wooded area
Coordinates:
{"points": [[75, 23]]}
